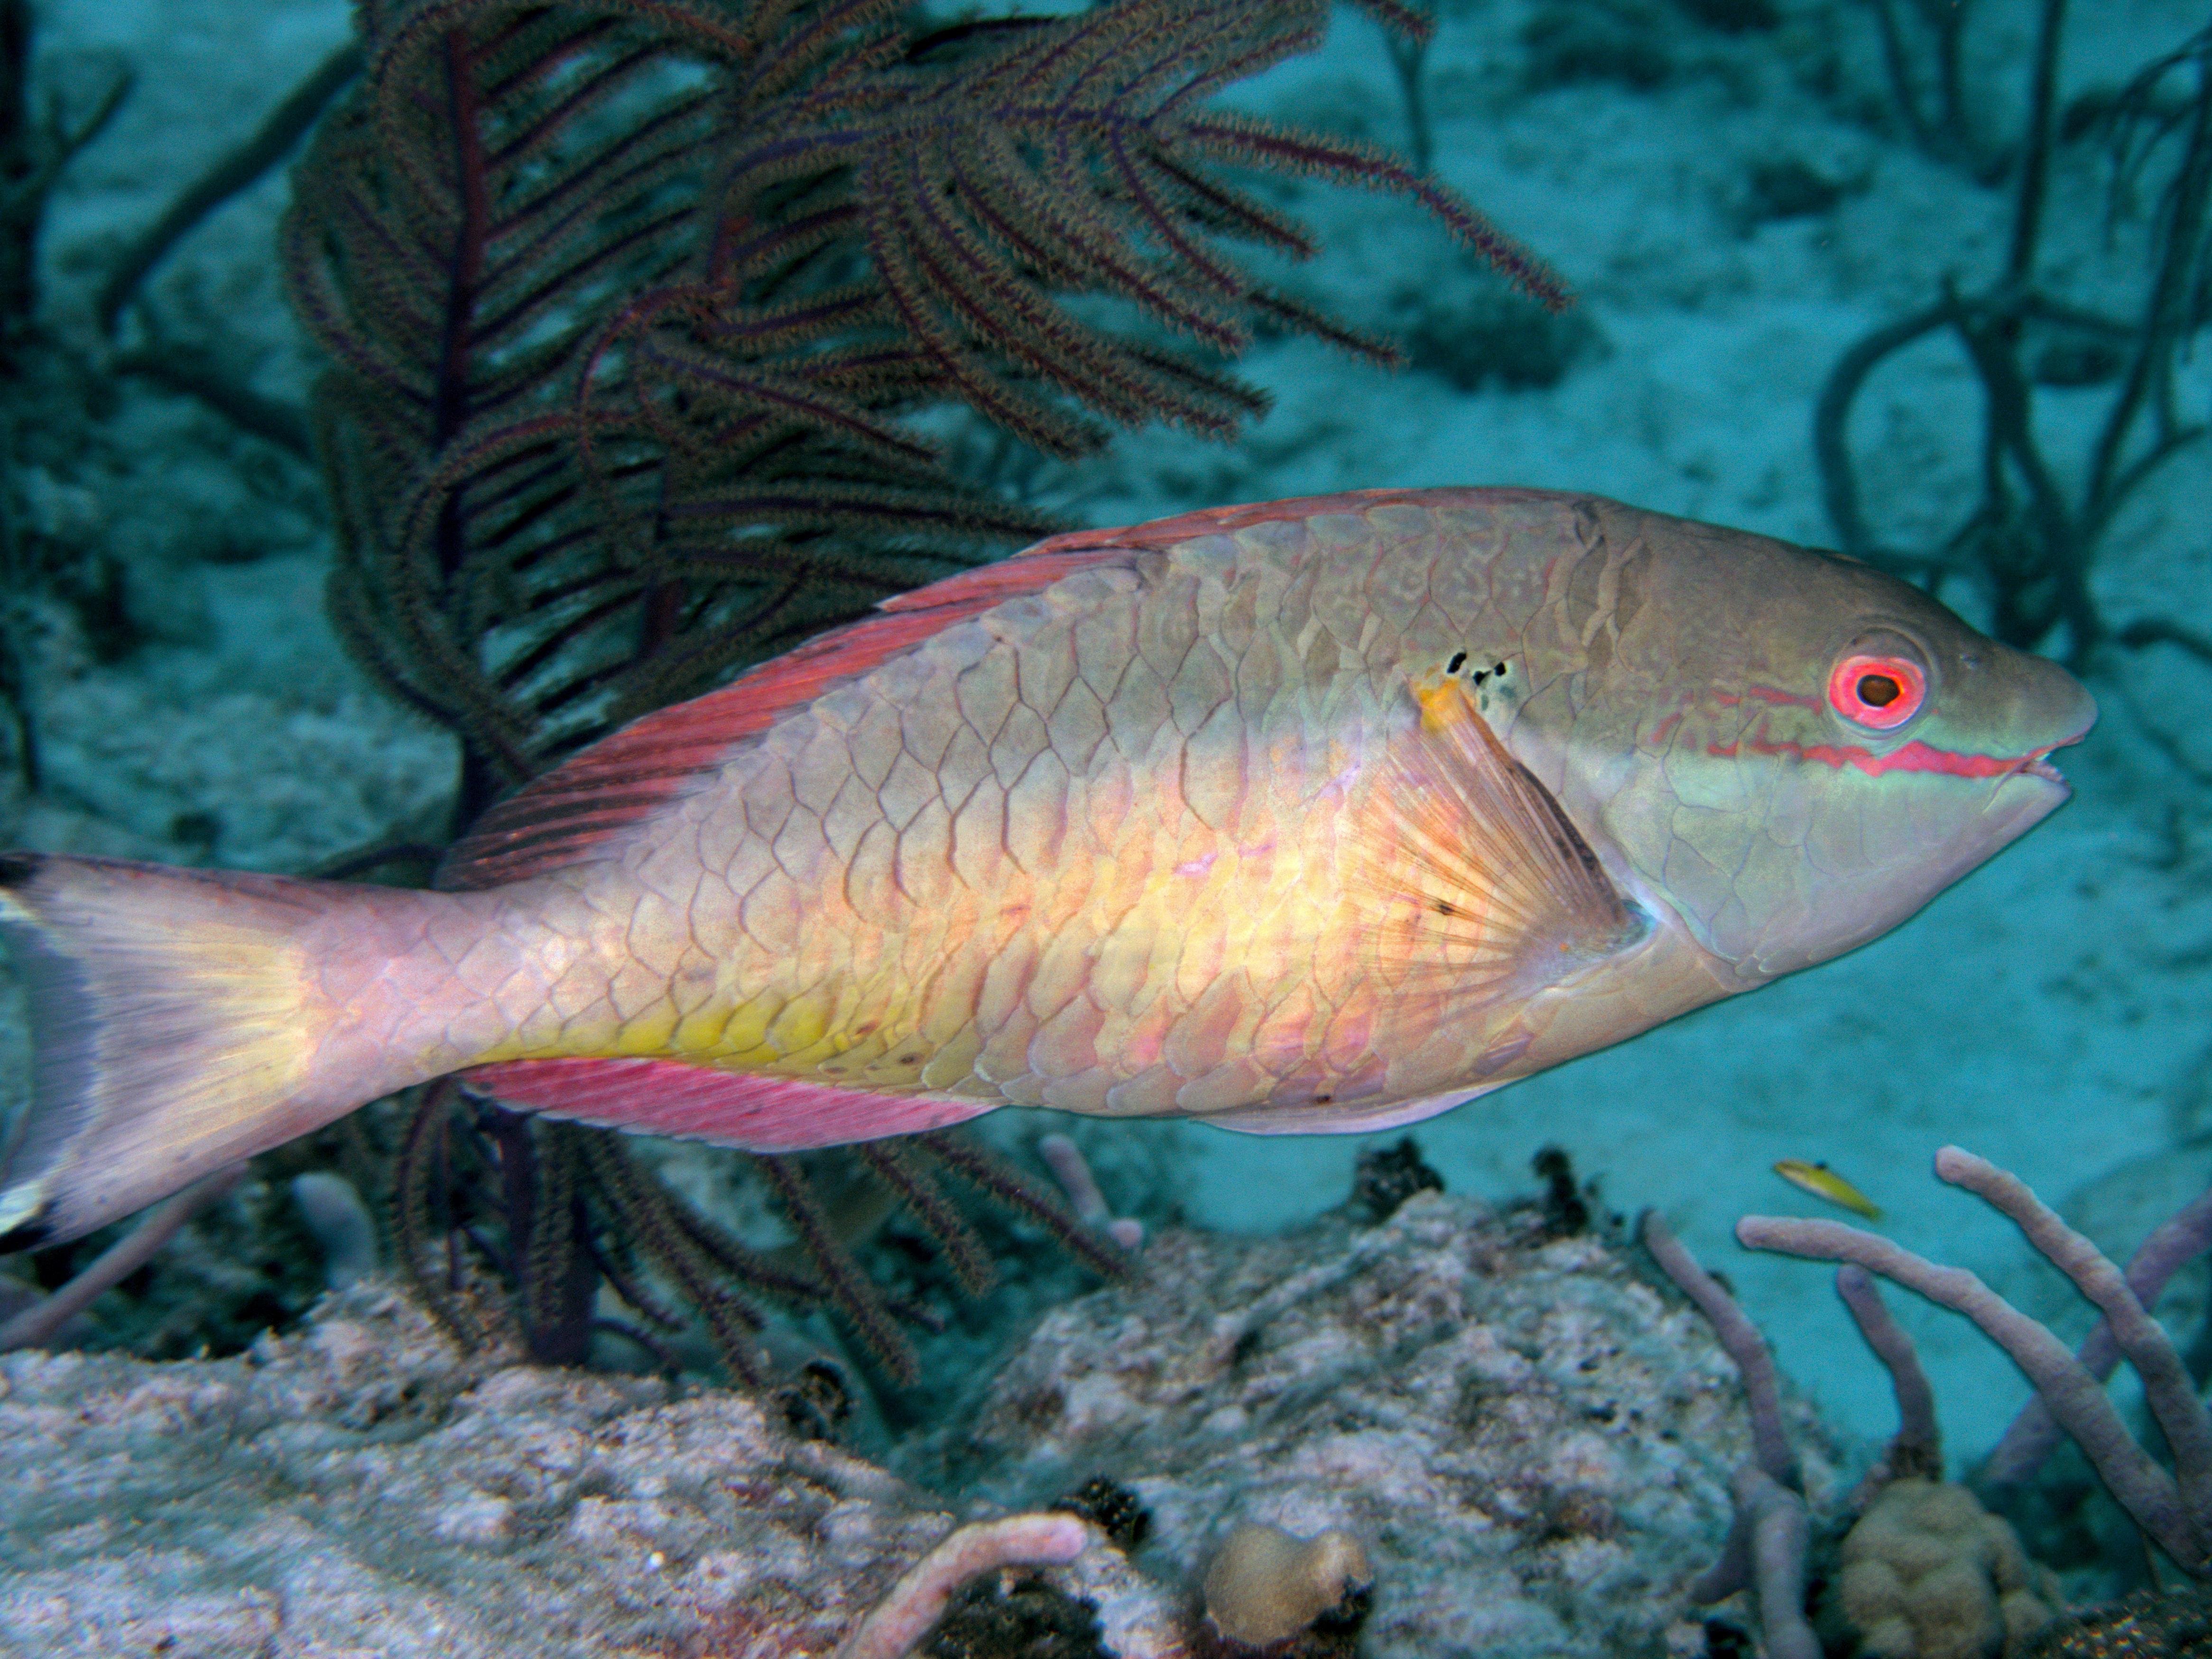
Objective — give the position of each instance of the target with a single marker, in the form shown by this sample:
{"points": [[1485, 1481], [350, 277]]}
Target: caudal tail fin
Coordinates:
{"points": [[174, 1027]]}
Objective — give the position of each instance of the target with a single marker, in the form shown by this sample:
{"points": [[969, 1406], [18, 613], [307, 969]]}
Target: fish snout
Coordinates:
{"points": [[2076, 722]]}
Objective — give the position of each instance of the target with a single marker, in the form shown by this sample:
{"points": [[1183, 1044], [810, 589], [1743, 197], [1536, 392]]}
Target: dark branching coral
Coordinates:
{"points": [[34, 150], [196, 369], [1113, 1509], [1016, 1614], [2030, 539], [556, 1210], [35, 147], [1924, 49], [236, 170], [1386, 1176]]}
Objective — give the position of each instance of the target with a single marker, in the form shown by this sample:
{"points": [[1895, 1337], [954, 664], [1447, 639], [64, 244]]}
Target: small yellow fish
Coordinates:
{"points": [[1822, 1182]]}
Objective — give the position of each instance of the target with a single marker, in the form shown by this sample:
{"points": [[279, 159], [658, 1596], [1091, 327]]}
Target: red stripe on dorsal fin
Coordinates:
{"points": [[558, 819], [1227, 520], [730, 1108]]}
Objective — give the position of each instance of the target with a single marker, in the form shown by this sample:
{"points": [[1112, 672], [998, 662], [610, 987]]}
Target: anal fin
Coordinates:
{"points": [[730, 1108]]}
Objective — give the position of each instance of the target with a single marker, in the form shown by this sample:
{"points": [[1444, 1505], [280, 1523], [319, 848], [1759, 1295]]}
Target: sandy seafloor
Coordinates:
{"points": [[2048, 1013]]}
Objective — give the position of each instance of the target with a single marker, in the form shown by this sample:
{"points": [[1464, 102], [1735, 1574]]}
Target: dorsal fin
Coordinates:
{"points": [[557, 819], [1474, 869], [1227, 520]]}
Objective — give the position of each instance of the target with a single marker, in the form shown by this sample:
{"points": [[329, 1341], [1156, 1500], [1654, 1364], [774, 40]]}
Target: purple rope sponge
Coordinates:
{"points": [[2174, 1510], [1739, 1340]]}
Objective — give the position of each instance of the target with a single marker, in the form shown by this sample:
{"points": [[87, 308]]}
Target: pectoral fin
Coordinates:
{"points": [[1472, 866]]}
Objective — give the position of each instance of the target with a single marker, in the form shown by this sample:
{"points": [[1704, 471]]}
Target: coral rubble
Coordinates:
{"points": [[1528, 1444], [1532, 1443], [368, 1488]]}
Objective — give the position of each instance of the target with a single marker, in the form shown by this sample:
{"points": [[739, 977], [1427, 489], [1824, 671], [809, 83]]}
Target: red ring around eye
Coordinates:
{"points": [[1882, 692]]}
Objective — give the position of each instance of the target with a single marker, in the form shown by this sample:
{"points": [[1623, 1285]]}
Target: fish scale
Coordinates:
{"points": [[1073, 873], [1317, 814]]}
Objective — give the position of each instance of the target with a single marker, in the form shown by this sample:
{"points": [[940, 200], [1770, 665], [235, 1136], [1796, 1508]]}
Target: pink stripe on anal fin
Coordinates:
{"points": [[730, 1108]]}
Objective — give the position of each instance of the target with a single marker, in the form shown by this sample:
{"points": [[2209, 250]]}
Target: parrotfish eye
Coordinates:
{"points": [[1879, 690]]}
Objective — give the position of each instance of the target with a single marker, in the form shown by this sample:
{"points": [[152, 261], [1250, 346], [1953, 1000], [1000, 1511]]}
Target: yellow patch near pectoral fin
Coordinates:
{"points": [[1475, 868], [1442, 698]]}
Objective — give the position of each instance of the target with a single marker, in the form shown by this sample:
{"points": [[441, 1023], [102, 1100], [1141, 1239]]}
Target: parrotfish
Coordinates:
{"points": [[1318, 815]]}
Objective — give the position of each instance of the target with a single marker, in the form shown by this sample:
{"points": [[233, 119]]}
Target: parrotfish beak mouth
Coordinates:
{"points": [[2039, 764]]}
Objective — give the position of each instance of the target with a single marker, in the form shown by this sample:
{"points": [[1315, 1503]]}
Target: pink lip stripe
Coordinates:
{"points": [[1914, 756]]}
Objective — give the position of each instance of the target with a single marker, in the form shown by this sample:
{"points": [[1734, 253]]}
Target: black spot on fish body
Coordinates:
{"points": [[1496, 690]]}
